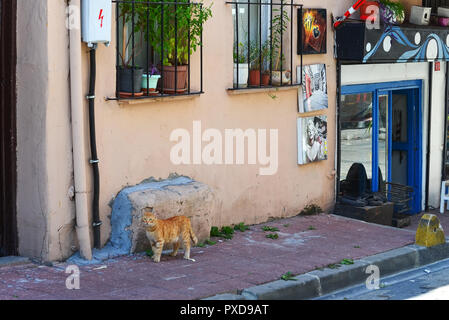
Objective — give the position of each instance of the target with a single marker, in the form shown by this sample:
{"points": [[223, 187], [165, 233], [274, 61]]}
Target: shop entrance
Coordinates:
{"points": [[8, 229], [380, 131]]}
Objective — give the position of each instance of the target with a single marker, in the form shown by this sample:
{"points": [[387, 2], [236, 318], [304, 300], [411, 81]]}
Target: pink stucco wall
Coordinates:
{"points": [[133, 140]]}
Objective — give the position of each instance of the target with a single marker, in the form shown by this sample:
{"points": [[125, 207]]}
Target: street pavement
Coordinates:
{"points": [[304, 244], [429, 282]]}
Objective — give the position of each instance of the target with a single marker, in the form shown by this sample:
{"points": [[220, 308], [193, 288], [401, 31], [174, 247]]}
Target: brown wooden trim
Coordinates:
{"points": [[8, 143]]}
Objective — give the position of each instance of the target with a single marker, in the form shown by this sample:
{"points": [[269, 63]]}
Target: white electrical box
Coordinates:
{"points": [[96, 21]]}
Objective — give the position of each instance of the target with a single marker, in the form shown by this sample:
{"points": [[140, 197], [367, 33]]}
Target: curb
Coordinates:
{"points": [[320, 282]]}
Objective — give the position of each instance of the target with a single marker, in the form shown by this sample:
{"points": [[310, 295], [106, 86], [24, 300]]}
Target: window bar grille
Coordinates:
{"points": [[117, 61], [127, 54], [300, 44], [162, 48], [291, 43], [148, 72], [249, 39], [278, 59], [271, 42], [282, 38], [132, 49], [201, 55], [176, 48], [260, 47], [237, 43], [188, 58]]}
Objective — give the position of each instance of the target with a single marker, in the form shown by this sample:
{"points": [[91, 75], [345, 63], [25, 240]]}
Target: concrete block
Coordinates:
{"points": [[344, 276], [394, 261], [170, 197], [304, 287]]}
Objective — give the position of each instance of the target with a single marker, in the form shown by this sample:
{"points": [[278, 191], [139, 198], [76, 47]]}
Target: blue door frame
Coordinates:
{"points": [[413, 89]]}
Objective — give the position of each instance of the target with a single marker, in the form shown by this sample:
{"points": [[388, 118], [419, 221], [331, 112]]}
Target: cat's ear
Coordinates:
{"points": [[148, 210]]}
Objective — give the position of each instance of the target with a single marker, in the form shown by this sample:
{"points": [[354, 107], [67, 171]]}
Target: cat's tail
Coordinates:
{"points": [[192, 235]]}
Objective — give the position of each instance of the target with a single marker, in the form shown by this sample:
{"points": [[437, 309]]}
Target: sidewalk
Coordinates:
{"points": [[305, 243]]}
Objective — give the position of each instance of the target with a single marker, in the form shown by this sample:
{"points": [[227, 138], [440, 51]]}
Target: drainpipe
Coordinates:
{"points": [[80, 159]]}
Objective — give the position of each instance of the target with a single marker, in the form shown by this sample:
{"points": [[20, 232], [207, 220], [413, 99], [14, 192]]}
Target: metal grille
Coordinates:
{"points": [[277, 24], [150, 32]]}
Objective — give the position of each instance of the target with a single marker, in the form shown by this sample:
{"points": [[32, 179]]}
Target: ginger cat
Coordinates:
{"points": [[173, 230]]}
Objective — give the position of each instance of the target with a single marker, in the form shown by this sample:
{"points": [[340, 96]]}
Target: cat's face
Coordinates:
{"points": [[149, 219]]}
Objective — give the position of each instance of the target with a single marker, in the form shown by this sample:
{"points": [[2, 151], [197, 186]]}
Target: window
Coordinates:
{"points": [[158, 45], [263, 43], [356, 134]]}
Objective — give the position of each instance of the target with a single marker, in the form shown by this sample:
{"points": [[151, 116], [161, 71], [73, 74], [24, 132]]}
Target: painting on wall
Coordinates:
{"points": [[312, 139], [313, 96], [312, 31]]}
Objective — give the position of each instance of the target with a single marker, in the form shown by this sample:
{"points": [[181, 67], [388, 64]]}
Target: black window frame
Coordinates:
{"points": [[146, 92], [282, 4]]}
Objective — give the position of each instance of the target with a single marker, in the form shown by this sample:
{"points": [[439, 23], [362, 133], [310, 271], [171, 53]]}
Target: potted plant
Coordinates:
{"points": [[150, 79], [280, 23], [129, 75], [259, 59], [391, 12], [179, 23], [240, 62]]}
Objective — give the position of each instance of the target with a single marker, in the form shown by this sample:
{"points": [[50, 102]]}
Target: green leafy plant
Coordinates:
{"points": [[259, 55], [149, 253], [311, 209], [241, 227], [181, 25], [288, 276], [127, 14], [225, 232], [347, 261], [240, 53], [210, 242], [268, 228], [273, 236], [311, 228], [280, 24], [286, 225]]}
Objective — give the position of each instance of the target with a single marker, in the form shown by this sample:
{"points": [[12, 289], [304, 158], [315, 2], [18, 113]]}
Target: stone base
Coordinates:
{"points": [[382, 214], [167, 198]]}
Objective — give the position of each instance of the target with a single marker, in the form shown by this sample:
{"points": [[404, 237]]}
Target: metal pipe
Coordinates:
{"points": [[78, 138]]}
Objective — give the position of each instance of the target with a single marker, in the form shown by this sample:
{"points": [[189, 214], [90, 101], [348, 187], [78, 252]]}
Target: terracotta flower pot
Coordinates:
{"points": [[254, 77], [265, 79], [169, 76]]}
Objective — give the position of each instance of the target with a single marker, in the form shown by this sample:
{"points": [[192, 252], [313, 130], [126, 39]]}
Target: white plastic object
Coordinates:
{"points": [[443, 12], [96, 21], [444, 196], [420, 15]]}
